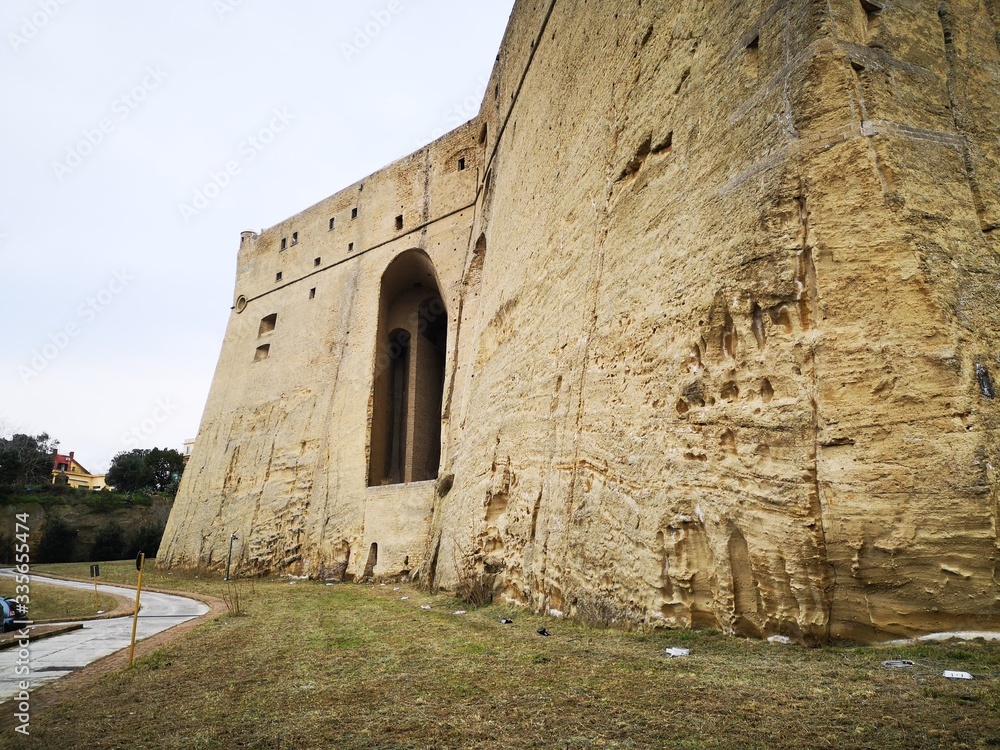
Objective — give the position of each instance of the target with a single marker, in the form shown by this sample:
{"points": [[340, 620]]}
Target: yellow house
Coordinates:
{"points": [[76, 475]]}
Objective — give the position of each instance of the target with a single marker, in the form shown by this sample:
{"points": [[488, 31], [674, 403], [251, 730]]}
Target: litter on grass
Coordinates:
{"points": [[544, 632], [505, 621], [784, 640], [954, 675], [897, 664], [405, 598], [674, 653], [461, 612], [426, 607]]}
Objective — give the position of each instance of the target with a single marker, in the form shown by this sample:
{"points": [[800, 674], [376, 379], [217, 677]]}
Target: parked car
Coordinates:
{"points": [[12, 611]]}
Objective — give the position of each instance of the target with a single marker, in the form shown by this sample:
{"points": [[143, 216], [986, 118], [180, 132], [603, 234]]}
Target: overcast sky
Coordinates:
{"points": [[117, 278]]}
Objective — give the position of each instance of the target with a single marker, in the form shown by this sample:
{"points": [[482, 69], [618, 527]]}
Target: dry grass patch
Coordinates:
{"points": [[348, 666]]}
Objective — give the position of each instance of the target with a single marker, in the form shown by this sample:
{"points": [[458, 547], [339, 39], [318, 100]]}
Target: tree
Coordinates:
{"points": [[129, 471], [109, 543], [142, 469], [57, 543], [167, 465], [26, 460]]}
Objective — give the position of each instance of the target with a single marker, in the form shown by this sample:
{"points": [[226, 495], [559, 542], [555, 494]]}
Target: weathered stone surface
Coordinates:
{"points": [[722, 338]]}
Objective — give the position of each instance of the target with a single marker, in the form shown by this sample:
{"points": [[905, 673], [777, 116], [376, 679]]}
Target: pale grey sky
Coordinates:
{"points": [[115, 114]]}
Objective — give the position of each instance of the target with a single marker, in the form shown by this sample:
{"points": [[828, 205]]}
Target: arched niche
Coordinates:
{"points": [[408, 383]]}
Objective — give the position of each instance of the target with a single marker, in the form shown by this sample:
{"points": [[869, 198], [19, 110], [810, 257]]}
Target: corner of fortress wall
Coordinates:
{"points": [[722, 332]]}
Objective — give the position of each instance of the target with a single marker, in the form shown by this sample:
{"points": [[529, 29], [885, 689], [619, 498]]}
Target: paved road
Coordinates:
{"points": [[59, 655]]}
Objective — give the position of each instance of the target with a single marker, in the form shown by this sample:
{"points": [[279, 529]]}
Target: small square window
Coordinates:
{"points": [[354, 213], [399, 222], [332, 222], [461, 164], [317, 261], [277, 276], [284, 242], [312, 293], [350, 247], [295, 238]]}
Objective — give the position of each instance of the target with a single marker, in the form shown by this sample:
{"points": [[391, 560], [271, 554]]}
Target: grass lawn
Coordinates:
{"points": [[56, 603], [348, 666]]}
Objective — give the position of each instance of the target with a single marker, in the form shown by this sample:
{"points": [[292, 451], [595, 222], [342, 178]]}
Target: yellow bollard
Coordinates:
{"points": [[139, 562]]}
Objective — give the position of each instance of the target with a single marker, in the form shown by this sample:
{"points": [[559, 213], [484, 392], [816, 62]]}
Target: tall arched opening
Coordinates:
{"points": [[405, 439]]}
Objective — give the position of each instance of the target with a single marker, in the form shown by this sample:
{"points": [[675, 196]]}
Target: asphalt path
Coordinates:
{"points": [[52, 658]]}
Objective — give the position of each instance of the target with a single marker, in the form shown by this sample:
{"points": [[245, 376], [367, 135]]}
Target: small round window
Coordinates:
{"points": [[241, 303]]}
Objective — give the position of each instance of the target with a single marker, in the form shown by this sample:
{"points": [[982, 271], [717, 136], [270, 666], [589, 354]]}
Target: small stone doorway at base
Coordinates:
{"points": [[372, 562]]}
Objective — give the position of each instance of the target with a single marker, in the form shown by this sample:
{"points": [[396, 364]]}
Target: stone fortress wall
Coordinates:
{"points": [[721, 286]]}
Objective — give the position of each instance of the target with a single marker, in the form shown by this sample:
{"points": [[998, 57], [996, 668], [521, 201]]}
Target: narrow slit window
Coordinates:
{"points": [[284, 243], [461, 164], [295, 238], [333, 221], [277, 276], [262, 353], [312, 293], [350, 247], [399, 222], [317, 261], [354, 213]]}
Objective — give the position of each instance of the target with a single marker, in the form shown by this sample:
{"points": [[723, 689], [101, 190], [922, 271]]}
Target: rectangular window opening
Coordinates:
{"points": [[399, 222], [312, 293], [267, 324], [277, 276], [332, 222], [295, 238], [354, 213], [350, 247], [317, 261], [262, 352], [284, 242], [461, 164]]}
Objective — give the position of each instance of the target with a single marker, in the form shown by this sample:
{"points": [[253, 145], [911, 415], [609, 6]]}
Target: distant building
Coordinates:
{"points": [[76, 475], [188, 444]]}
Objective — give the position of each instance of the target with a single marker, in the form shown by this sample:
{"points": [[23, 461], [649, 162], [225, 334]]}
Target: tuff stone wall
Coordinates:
{"points": [[722, 339]]}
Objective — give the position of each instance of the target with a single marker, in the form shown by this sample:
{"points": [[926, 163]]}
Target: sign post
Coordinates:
{"points": [[95, 573], [229, 558], [139, 561]]}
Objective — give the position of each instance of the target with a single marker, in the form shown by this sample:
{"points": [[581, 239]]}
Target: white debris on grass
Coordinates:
{"points": [[784, 640], [674, 653], [955, 675], [961, 635]]}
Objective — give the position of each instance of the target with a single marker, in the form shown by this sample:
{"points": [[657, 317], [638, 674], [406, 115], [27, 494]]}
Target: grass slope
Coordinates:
{"points": [[57, 603], [349, 666]]}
